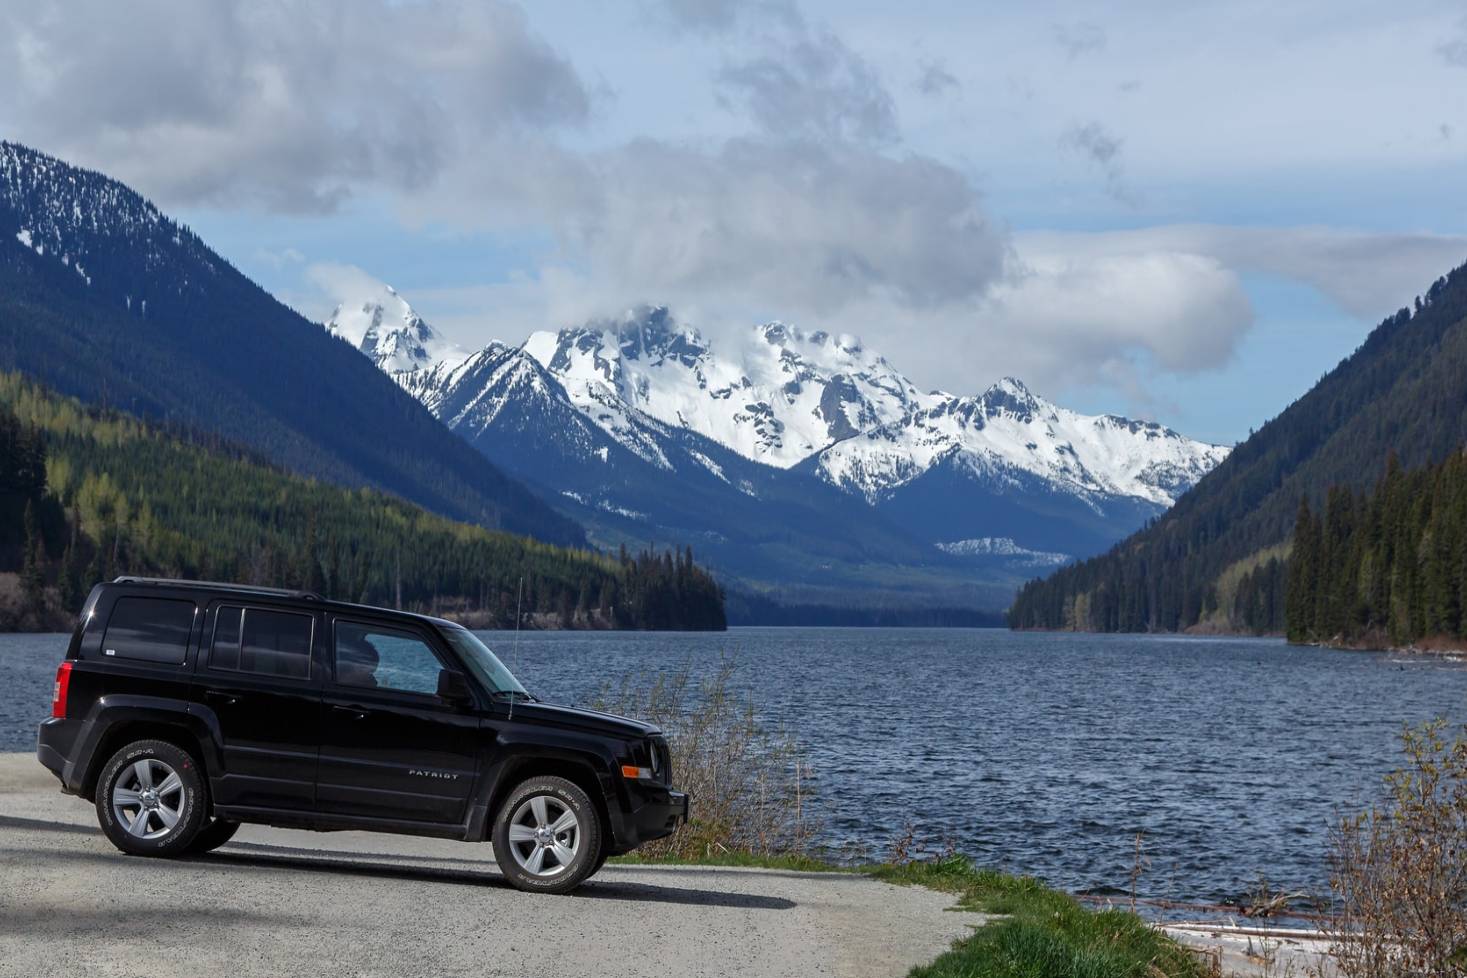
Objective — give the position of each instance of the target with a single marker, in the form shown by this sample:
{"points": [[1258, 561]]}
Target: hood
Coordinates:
{"points": [[570, 716]]}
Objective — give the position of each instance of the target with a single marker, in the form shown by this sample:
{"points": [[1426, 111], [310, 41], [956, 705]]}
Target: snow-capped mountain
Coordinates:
{"points": [[647, 430], [787, 396], [384, 327], [1008, 429], [779, 398]]}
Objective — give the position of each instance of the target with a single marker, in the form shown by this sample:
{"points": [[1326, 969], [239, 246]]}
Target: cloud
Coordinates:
{"points": [[800, 224], [1367, 274], [934, 79], [1079, 38], [1089, 314], [1454, 50], [812, 86], [723, 16], [341, 282], [292, 106], [1102, 148], [278, 259]]}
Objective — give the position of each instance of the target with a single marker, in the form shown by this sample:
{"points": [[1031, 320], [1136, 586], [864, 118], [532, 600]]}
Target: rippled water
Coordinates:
{"points": [[1040, 753]]}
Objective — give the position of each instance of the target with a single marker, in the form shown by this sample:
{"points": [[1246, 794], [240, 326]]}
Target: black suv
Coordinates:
{"points": [[184, 708]]}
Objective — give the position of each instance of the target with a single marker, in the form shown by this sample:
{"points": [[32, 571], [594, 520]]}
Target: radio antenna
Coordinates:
{"points": [[515, 649]]}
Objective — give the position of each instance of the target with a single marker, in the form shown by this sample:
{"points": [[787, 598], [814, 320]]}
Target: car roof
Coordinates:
{"points": [[251, 591]]}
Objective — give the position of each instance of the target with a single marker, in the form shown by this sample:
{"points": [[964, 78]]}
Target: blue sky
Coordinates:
{"points": [[1179, 211]]}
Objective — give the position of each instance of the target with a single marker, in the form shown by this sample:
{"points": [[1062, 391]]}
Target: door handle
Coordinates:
{"points": [[219, 697], [351, 711]]}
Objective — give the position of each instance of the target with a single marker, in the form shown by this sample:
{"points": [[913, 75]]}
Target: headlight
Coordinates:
{"points": [[652, 749]]}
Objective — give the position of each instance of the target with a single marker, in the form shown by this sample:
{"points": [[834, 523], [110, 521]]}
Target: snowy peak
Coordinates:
{"points": [[782, 396], [778, 397], [384, 327], [1009, 431]]}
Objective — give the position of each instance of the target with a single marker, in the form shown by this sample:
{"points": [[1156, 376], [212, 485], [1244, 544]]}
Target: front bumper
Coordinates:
{"points": [[656, 813]]}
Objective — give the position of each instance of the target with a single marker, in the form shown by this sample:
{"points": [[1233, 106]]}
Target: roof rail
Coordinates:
{"points": [[221, 586]]}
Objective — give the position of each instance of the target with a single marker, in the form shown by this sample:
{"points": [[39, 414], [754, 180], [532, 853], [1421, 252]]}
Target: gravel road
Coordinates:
{"points": [[278, 902]]}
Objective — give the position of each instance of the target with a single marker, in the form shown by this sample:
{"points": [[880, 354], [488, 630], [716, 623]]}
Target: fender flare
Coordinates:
{"points": [[113, 710], [511, 754]]}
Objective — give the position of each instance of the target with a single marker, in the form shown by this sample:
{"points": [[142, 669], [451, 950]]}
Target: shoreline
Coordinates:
{"points": [[1442, 648]]}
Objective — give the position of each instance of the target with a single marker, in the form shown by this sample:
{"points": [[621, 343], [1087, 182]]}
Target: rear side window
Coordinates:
{"points": [[150, 629], [262, 641]]}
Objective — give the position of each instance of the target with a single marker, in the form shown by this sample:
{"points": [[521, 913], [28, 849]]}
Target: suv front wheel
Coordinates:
{"points": [[547, 836], [150, 799]]}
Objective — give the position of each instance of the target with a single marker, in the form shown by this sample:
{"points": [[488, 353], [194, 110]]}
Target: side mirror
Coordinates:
{"points": [[453, 687]]}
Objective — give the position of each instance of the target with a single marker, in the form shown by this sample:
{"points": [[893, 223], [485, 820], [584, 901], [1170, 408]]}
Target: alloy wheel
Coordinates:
{"points": [[148, 798], [544, 835]]}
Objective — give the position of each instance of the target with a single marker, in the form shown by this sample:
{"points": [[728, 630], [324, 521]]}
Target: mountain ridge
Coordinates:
{"points": [[1204, 562], [103, 297]]}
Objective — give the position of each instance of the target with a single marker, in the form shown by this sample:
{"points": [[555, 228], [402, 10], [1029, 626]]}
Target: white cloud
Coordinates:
{"points": [[292, 106], [339, 282], [1087, 318], [1368, 274]]}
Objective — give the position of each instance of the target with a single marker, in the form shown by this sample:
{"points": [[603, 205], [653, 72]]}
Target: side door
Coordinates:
{"points": [[258, 675], [390, 746]]}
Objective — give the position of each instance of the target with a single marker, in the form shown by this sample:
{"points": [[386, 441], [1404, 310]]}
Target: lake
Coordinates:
{"points": [[1040, 753]]}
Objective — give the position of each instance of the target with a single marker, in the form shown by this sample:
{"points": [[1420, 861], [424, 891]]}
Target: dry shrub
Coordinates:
{"points": [[750, 785], [1400, 870]]}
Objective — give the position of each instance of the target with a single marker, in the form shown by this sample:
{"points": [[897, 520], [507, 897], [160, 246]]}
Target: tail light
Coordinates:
{"points": [[63, 684]]}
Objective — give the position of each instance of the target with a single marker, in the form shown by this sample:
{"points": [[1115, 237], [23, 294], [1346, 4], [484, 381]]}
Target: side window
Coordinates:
{"points": [[150, 629], [224, 652], [384, 658], [263, 641]]}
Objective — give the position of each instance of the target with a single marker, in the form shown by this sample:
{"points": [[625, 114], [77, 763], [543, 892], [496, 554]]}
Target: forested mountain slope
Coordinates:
{"points": [[105, 298], [87, 494], [1206, 560]]}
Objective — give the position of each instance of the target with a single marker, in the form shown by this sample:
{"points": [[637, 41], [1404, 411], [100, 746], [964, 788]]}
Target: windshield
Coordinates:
{"points": [[485, 665]]}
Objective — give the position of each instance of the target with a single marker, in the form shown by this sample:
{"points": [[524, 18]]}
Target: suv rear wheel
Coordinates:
{"points": [[150, 799], [547, 836]]}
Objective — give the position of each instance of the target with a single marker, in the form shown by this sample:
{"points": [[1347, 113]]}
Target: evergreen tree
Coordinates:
{"points": [[173, 503], [32, 574]]}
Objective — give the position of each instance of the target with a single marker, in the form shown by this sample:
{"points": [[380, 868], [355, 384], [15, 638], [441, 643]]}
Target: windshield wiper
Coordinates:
{"points": [[514, 695]]}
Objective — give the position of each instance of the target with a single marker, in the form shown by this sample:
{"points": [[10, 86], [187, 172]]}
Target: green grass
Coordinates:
{"points": [[1042, 934]]}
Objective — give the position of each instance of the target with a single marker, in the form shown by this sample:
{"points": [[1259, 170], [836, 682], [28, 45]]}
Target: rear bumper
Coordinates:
{"points": [[55, 742], [656, 813]]}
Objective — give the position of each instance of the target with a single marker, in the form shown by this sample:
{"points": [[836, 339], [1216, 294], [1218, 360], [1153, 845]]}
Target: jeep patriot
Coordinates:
{"points": [[185, 708]]}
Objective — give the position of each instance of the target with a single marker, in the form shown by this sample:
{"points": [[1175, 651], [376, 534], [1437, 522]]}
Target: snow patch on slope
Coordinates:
{"points": [[1003, 547]]}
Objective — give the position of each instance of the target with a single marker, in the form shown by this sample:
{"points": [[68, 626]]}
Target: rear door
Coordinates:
{"points": [[390, 748], [259, 675]]}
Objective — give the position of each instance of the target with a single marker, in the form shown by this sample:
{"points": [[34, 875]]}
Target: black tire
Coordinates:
{"points": [[580, 838], [600, 861], [213, 834], [158, 799]]}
